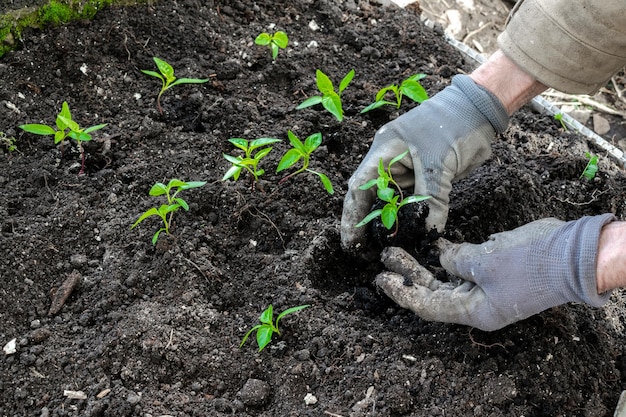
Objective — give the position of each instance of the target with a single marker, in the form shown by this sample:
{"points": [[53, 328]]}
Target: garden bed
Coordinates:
{"points": [[155, 330]]}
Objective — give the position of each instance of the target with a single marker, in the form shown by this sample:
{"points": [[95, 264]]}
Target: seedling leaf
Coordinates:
{"points": [[326, 182], [263, 39], [264, 336], [414, 91], [399, 157], [38, 129], [371, 216], [311, 143], [388, 215], [311, 101], [289, 311], [324, 84], [591, 169], [151, 212], [345, 81], [332, 103], [158, 189], [289, 159], [165, 68], [281, 39]]}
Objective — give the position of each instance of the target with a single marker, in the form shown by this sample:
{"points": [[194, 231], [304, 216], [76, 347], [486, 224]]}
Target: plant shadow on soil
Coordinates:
{"points": [[154, 330]]}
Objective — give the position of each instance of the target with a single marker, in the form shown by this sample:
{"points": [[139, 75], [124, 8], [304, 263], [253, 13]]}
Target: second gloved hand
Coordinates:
{"points": [[510, 277], [448, 135]]}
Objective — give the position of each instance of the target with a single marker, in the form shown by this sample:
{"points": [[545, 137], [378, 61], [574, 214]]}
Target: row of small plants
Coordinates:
{"points": [[253, 152]]}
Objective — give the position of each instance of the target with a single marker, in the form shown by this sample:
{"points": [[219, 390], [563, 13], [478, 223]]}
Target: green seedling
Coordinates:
{"points": [[330, 99], [303, 151], [166, 211], [268, 326], [168, 80], [278, 40], [390, 192], [66, 127], [591, 169], [250, 160], [559, 117], [8, 142], [410, 87]]}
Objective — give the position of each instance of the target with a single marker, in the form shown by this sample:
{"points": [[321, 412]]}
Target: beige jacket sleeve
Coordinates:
{"points": [[574, 46]]}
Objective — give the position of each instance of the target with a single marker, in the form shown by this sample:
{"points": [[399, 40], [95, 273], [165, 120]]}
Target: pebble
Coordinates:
{"points": [[254, 392]]}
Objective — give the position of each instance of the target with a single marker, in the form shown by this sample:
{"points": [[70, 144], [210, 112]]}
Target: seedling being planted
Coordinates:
{"points": [[389, 192], [410, 87], [251, 159], [591, 169], [168, 80], [303, 151], [330, 99], [166, 211], [65, 128], [268, 326], [278, 40]]}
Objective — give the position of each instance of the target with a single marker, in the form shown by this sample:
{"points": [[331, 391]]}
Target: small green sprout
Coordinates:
{"points": [[8, 142], [330, 99], [249, 161], [591, 169], [168, 80], [268, 326], [66, 128], [559, 117], [303, 151], [392, 196], [166, 211], [275, 41], [410, 87]]}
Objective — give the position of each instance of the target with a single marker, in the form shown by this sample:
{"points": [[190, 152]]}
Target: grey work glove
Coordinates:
{"points": [[510, 277], [448, 135]]}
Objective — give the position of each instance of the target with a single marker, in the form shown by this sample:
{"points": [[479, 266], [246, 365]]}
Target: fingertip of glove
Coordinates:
{"points": [[360, 250], [443, 244], [386, 280]]}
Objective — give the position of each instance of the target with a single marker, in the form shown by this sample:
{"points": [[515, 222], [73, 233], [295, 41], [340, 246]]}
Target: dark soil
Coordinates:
{"points": [[155, 330]]}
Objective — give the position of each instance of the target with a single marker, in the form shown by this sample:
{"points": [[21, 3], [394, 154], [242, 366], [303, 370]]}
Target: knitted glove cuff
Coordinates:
{"points": [[568, 259], [485, 101]]}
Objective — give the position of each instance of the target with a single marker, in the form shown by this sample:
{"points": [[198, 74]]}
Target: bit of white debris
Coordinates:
{"points": [[75, 395], [410, 358], [310, 399], [137, 96], [11, 347], [12, 106], [83, 68], [253, 243], [313, 25], [313, 44], [576, 338], [103, 393]]}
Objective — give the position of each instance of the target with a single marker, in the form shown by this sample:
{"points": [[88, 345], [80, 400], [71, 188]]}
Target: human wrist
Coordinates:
{"points": [[611, 259], [508, 82]]}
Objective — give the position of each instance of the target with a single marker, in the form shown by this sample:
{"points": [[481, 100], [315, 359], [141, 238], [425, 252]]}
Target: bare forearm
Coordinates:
{"points": [[512, 85], [611, 260]]}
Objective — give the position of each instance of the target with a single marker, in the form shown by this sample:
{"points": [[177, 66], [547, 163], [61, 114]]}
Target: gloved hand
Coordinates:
{"points": [[510, 277], [448, 135]]}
